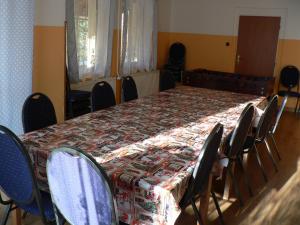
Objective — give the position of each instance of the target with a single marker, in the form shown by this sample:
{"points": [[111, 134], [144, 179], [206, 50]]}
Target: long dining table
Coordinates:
{"points": [[148, 146]]}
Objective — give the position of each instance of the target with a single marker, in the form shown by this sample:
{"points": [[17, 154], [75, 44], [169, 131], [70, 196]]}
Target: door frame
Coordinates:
{"points": [[267, 12], [236, 64]]}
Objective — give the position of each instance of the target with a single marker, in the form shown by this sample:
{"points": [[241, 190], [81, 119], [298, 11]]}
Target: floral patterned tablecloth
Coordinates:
{"points": [[148, 146]]}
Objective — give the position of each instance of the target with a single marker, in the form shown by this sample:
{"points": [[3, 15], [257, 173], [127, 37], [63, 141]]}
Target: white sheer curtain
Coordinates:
{"points": [[138, 36], [94, 22], [16, 46]]}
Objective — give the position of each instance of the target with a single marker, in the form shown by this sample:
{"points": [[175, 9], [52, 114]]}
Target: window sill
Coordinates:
{"points": [[87, 84]]}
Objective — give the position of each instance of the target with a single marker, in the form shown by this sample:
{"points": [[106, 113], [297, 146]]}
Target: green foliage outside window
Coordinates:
{"points": [[82, 26]]}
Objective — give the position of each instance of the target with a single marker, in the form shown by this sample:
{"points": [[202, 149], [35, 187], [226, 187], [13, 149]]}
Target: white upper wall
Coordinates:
{"points": [[52, 12], [220, 17], [49, 12], [164, 15], [217, 17]]}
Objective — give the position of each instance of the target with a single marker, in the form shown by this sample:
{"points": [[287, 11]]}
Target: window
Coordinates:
{"points": [[93, 24], [138, 36], [85, 28]]}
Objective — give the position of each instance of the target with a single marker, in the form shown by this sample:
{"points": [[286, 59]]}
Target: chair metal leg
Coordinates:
{"points": [[260, 164], [235, 187], [24, 215], [7, 210], [275, 145], [296, 108], [271, 155], [197, 213], [218, 208], [246, 178], [59, 219]]}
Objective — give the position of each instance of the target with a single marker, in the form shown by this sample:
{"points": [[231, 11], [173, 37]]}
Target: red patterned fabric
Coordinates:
{"points": [[147, 146]]}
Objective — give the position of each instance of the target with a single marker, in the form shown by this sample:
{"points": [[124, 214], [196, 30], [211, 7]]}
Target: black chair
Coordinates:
{"points": [[38, 112], [129, 89], [102, 96], [18, 182], [77, 101], [261, 133], [289, 78], [275, 124], [90, 196], [234, 149], [200, 176], [176, 60], [166, 80]]}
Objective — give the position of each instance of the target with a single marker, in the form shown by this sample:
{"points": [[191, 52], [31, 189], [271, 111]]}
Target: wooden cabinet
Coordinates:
{"points": [[262, 86]]}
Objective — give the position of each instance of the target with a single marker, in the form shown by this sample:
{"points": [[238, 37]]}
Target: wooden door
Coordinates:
{"points": [[257, 45]]}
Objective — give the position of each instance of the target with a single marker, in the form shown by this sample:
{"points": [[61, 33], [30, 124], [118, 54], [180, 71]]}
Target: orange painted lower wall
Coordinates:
{"points": [[211, 52], [202, 51], [48, 66], [114, 64]]}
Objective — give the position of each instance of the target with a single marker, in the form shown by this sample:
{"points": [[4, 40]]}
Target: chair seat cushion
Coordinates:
{"points": [[166, 81], [77, 95], [289, 93], [175, 68], [47, 204]]}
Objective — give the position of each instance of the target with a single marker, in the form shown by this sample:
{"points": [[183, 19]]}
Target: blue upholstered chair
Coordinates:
{"points": [[166, 80], [18, 182], [77, 101], [275, 124], [176, 60], [129, 89], [289, 79], [102, 96], [234, 150], [38, 112], [200, 176], [261, 134], [80, 189]]}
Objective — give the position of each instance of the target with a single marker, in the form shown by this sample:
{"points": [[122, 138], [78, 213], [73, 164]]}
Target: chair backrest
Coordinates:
{"points": [[204, 164], [166, 80], [177, 53], [279, 114], [80, 188], [16, 173], [200, 176], [102, 96], [207, 158], [241, 131], [17, 179], [266, 123], [129, 89], [38, 112], [289, 77]]}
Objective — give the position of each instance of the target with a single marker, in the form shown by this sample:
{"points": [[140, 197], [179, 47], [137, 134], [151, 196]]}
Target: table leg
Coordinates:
{"points": [[204, 201], [16, 217]]}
